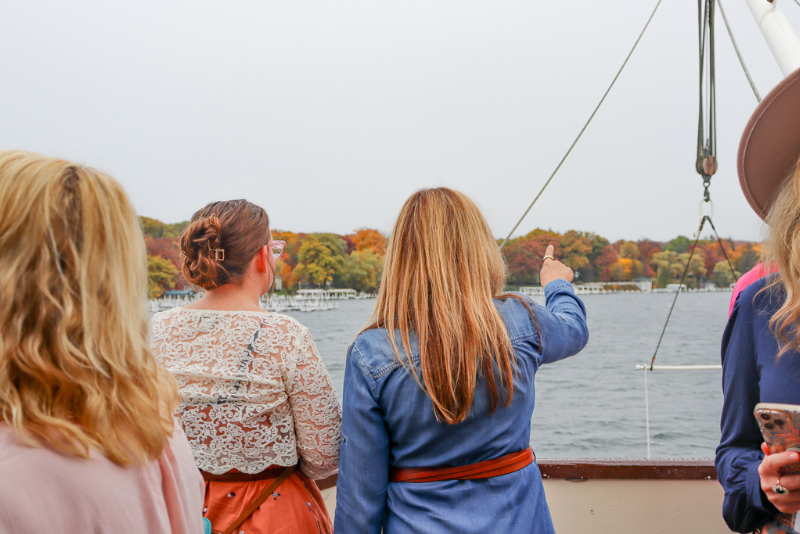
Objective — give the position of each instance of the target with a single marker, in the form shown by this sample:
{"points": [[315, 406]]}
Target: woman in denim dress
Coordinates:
{"points": [[439, 388]]}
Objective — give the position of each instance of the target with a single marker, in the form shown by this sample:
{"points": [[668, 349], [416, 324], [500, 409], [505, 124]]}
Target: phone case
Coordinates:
{"points": [[780, 426]]}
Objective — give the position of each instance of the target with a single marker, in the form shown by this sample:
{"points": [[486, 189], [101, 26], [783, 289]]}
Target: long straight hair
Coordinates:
{"points": [[782, 248], [441, 271], [76, 372]]}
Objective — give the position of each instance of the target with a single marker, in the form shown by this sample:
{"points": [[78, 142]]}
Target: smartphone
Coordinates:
{"points": [[780, 426]]}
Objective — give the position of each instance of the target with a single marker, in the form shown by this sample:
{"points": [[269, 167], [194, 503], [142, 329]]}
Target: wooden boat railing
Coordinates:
{"points": [[623, 495]]}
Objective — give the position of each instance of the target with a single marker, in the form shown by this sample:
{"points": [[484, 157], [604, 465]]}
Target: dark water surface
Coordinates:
{"points": [[593, 404]]}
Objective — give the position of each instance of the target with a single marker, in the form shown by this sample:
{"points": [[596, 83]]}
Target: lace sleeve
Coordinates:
{"points": [[315, 409]]}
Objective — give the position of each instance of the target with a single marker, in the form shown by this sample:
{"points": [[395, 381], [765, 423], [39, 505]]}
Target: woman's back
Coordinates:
{"points": [[71, 494], [253, 390], [88, 442], [387, 411]]}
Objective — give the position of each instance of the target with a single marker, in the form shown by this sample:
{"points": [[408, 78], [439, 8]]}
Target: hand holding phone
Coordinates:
{"points": [[778, 472]]}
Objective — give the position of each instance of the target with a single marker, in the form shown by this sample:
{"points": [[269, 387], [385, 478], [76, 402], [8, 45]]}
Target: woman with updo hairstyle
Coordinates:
{"points": [[256, 401], [88, 442]]}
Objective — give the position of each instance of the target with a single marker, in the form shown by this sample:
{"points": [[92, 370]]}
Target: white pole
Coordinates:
{"points": [[779, 34], [679, 367], [647, 413]]}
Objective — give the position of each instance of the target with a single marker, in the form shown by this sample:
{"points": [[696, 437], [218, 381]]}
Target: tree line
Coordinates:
{"points": [[355, 260], [309, 260], [595, 259]]}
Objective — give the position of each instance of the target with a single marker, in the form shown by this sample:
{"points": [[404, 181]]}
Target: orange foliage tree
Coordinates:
{"points": [[367, 239]]}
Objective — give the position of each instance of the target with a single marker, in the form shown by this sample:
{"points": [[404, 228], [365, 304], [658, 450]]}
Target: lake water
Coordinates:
{"points": [[593, 404]]}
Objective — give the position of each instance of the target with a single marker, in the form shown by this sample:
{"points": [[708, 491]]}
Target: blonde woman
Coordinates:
{"points": [[87, 439], [255, 395], [760, 345], [438, 392]]}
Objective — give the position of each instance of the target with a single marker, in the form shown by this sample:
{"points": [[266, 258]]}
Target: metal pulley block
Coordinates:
{"points": [[706, 165]]}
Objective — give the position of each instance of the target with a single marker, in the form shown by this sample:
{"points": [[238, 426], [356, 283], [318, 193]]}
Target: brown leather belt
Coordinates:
{"points": [[486, 469], [266, 474]]}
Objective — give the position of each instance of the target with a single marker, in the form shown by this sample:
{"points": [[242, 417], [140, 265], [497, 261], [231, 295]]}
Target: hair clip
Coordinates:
{"points": [[219, 254]]}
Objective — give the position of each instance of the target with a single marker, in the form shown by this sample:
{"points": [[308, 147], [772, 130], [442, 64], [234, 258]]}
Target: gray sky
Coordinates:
{"points": [[329, 114]]}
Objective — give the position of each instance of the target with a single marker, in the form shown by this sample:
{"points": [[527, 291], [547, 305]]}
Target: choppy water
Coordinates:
{"points": [[592, 405]]}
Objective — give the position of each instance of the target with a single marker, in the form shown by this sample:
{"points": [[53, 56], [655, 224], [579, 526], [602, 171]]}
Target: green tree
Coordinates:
{"points": [[321, 259], [697, 267], [680, 244], [161, 276], [723, 275], [362, 270], [668, 267], [156, 228]]}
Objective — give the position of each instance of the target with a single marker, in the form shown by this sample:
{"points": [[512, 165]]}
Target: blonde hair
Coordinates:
{"points": [[76, 371], [442, 269], [782, 248]]}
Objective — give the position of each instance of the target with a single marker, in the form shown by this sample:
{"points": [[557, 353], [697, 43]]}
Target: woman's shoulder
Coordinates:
{"points": [[373, 351], [765, 295], [519, 312]]}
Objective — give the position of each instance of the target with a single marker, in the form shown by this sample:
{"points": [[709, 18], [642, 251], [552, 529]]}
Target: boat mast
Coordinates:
{"points": [[779, 34]]}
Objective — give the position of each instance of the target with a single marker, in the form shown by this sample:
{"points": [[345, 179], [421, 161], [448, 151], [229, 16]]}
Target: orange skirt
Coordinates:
{"points": [[296, 507]]}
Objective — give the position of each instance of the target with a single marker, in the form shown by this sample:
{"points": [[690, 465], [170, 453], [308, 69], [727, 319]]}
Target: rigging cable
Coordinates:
{"points": [[703, 221], [706, 162], [738, 53], [582, 129]]}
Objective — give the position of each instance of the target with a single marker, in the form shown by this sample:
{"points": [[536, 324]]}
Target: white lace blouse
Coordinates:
{"points": [[254, 391]]}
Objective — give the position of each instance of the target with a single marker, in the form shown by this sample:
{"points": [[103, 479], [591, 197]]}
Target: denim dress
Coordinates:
{"points": [[388, 420]]}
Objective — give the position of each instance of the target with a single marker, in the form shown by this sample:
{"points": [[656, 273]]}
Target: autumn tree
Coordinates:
{"points": [[697, 267], [575, 250], [605, 260], [745, 257], [524, 255], [524, 261], [161, 276], [723, 274], [321, 259], [166, 247], [629, 250], [368, 239], [362, 271], [625, 269], [646, 250], [668, 267], [284, 267]]}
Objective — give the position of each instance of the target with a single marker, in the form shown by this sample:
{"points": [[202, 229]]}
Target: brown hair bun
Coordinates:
{"points": [[220, 242]]}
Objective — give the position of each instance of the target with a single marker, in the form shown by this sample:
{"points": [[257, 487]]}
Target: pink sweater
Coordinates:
{"points": [[44, 491]]}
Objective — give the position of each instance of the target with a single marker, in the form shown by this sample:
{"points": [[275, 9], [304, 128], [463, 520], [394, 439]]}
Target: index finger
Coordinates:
{"points": [[549, 250], [781, 459]]}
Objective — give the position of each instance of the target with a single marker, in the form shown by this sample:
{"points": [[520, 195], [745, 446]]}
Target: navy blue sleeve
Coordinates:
{"points": [[745, 507], [364, 454], [562, 324]]}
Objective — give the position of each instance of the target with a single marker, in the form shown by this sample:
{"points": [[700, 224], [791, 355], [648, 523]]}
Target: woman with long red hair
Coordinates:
{"points": [[438, 391]]}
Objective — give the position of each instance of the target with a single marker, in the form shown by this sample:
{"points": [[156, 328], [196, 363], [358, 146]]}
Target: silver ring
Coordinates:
{"points": [[548, 257], [780, 490]]}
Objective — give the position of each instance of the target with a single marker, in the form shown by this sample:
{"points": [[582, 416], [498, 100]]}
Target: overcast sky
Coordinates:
{"points": [[330, 114]]}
